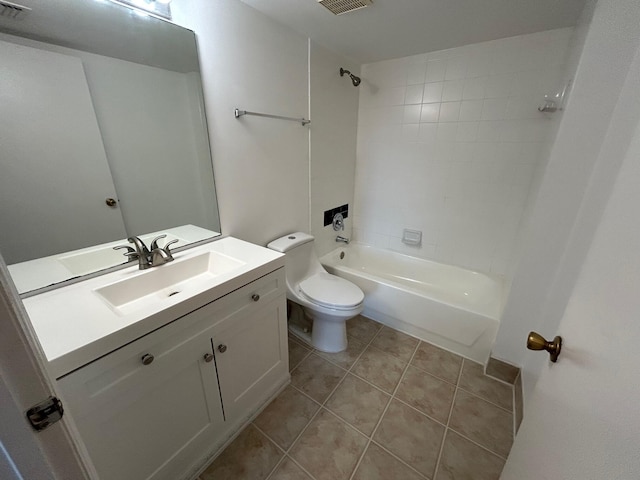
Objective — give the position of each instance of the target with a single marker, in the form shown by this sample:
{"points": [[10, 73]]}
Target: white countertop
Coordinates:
{"points": [[75, 325], [46, 271]]}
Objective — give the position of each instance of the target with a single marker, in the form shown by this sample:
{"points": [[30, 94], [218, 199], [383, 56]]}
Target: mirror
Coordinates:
{"points": [[103, 136]]}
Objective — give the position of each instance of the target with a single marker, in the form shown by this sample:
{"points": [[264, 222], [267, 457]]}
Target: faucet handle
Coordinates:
{"points": [[131, 252], [166, 247], [154, 243]]}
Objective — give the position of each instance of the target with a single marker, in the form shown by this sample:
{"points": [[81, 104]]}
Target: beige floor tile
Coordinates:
{"points": [[518, 408], [362, 328], [463, 460], [358, 403], [379, 368], [396, 343], [288, 470], [329, 449], [296, 353], [438, 362], [427, 393], [482, 422], [502, 370], [475, 381], [379, 465], [251, 456], [316, 377], [286, 416], [411, 436], [348, 357]]}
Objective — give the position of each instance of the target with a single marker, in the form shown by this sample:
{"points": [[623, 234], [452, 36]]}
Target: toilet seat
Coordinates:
{"points": [[331, 291]]}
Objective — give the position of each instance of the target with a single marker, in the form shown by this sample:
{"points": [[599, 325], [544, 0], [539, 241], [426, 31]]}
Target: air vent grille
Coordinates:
{"points": [[338, 7], [13, 10]]}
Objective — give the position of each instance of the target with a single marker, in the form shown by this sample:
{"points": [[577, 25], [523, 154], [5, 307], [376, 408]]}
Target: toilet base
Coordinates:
{"points": [[329, 335]]}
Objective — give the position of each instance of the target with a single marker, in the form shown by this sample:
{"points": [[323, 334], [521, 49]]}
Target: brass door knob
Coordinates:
{"points": [[535, 341]]}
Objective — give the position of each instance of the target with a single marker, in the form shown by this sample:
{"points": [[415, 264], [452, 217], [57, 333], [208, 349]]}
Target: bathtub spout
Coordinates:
{"points": [[342, 239]]}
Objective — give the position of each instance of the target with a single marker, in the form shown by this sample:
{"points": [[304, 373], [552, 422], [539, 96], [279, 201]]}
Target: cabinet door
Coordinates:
{"points": [[148, 421], [251, 357]]}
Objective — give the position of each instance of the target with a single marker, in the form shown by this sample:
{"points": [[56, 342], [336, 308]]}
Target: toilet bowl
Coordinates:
{"points": [[327, 299]]}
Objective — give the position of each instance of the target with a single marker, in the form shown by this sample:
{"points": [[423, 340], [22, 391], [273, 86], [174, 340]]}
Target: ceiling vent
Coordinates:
{"points": [[338, 7], [12, 10]]}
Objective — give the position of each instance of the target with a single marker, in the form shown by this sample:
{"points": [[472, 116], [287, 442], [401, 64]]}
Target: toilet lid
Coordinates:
{"points": [[331, 291]]}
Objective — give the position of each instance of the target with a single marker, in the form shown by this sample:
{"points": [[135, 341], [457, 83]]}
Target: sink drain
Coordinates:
{"points": [[172, 294]]}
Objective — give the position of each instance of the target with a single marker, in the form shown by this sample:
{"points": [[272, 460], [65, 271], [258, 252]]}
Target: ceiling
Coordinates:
{"points": [[398, 28]]}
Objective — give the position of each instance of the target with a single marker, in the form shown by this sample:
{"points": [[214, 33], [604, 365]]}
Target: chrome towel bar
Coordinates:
{"points": [[239, 113]]}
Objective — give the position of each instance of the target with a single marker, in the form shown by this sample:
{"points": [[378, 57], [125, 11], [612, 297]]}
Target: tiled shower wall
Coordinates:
{"points": [[448, 143]]}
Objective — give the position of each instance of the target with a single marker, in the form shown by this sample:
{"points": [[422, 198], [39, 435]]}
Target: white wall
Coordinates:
{"points": [[448, 143], [334, 110], [261, 165], [589, 399], [593, 130]]}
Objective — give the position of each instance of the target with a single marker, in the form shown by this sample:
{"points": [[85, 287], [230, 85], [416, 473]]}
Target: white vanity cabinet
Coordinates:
{"points": [[158, 407]]}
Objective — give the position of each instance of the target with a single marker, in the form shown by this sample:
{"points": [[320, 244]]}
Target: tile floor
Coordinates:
{"points": [[390, 407]]}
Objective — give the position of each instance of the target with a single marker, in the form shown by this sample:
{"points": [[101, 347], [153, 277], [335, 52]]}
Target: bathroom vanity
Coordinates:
{"points": [[160, 368]]}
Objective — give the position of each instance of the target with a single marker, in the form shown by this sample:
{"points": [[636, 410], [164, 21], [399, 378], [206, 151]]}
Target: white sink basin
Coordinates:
{"points": [[166, 281]]}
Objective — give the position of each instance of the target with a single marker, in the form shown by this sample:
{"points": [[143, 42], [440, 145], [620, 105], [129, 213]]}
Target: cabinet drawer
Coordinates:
{"points": [[244, 301]]}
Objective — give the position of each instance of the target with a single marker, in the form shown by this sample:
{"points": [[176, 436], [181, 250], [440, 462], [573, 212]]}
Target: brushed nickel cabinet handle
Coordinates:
{"points": [[255, 297], [222, 348], [147, 359]]}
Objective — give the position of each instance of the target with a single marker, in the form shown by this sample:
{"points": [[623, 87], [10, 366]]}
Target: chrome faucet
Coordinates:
{"points": [[146, 257], [342, 239]]}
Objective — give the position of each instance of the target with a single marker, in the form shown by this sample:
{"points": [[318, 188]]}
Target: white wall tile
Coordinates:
{"points": [[456, 68], [452, 90], [470, 110], [458, 166], [430, 112], [432, 92], [449, 112], [413, 94], [435, 70], [474, 88], [416, 73], [412, 114]]}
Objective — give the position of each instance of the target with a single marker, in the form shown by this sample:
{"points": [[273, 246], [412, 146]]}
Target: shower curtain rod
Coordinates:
{"points": [[239, 113]]}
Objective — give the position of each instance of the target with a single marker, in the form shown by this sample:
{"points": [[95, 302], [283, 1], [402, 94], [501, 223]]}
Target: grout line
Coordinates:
{"points": [[513, 400], [446, 428], [439, 422], [484, 399], [382, 447], [486, 449], [384, 412]]}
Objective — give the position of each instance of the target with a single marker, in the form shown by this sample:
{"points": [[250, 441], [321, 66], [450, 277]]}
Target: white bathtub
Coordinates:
{"points": [[451, 307]]}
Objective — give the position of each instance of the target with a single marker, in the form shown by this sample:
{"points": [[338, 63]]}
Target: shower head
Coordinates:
{"points": [[355, 80]]}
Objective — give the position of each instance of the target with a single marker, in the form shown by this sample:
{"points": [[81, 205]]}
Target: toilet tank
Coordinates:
{"points": [[301, 260]]}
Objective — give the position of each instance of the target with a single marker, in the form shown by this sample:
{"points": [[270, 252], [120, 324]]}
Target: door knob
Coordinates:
{"points": [[535, 341]]}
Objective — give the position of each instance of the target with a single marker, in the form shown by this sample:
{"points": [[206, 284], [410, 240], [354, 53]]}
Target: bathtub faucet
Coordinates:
{"points": [[342, 239]]}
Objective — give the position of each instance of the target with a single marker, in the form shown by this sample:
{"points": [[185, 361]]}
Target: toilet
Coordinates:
{"points": [[327, 299]]}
